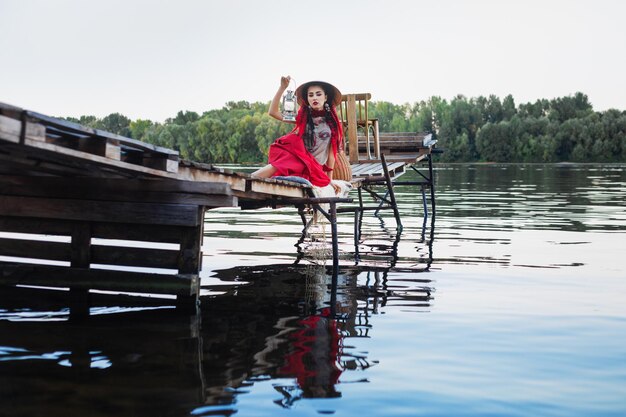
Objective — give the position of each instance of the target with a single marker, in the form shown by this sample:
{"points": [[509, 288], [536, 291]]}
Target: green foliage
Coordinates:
{"points": [[468, 129], [209, 144], [565, 108], [116, 123], [139, 127], [183, 118]]}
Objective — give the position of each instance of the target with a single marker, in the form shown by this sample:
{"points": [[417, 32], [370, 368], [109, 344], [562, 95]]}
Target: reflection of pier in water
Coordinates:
{"points": [[372, 247], [136, 362], [297, 325], [286, 322], [294, 321]]}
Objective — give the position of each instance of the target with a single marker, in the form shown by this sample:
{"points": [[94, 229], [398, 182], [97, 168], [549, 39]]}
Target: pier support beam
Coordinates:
{"points": [[153, 234]]}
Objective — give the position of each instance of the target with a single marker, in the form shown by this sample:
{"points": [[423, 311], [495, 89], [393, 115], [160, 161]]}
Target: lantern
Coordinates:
{"points": [[289, 106]]}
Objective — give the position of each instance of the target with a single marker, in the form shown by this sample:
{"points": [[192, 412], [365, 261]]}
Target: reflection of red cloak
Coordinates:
{"points": [[316, 350], [289, 156]]}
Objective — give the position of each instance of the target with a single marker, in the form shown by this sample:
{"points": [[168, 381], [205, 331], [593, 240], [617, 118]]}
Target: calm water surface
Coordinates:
{"points": [[511, 304]]}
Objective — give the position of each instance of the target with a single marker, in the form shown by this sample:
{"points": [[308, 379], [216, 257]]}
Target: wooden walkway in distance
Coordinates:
{"points": [[367, 145], [400, 149], [378, 159], [374, 168]]}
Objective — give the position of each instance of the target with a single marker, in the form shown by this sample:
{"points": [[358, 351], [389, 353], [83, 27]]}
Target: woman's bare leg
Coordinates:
{"points": [[265, 172]]}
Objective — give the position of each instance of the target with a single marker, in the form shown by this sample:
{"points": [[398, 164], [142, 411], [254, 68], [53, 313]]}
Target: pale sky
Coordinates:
{"points": [[149, 59]]}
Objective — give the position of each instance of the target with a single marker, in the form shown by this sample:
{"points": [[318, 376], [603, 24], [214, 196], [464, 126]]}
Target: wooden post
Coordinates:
{"points": [[353, 144], [333, 228], [376, 139], [190, 257], [357, 231], [392, 195], [80, 258]]}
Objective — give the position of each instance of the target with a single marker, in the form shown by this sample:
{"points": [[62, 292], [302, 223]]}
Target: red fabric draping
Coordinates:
{"points": [[290, 157]]}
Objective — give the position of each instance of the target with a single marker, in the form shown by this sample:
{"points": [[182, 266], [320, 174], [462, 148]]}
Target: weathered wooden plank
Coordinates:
{"points": [[83, 184], [105, 160], [55, 227], [358, 168], [236, 182], [10, 110], [139, 232], [86, 253], [11, 130], [409, 157], [245, 187], [101, 161], [394, 141], [355, 167], [15, 160], [418, 134], [70, 127], [136, 257], [376, 169], [107, 148], [280, 189], [190, 256], [396, 166], [100, 279], [103, 211], [159, 161], [36, 249], [36, 226], [395, 146], [161, 191]]}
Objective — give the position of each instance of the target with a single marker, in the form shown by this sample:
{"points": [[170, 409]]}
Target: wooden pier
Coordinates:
{"points": [[85, 209]]}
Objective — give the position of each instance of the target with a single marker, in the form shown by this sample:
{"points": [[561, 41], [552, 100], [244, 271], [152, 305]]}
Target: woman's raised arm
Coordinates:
{"points": [[274, 111]]}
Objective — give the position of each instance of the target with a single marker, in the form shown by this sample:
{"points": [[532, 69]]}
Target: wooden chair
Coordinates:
{"points": [[354, 115]]}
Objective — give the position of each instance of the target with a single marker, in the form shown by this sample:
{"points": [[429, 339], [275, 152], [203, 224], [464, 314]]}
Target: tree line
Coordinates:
{"points": [[468, 129]]}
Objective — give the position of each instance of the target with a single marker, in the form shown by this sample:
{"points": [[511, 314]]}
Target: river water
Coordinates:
{"points": [[509, 303]]}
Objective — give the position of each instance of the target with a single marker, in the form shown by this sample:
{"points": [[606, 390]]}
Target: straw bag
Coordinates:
{"points": [[342, 170]]}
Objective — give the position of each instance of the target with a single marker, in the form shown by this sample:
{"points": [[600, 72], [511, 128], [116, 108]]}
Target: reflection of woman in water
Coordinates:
{"points": [[314, 356]]}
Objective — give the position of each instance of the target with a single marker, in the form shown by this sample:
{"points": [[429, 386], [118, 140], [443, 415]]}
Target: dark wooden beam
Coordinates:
{"points": [[100, 211], [131, 190], [129, 256], [36, 249], [100, 279]]}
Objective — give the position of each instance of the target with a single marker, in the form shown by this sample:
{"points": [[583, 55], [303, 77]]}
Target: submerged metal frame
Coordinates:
{"points": [[386, 201]]}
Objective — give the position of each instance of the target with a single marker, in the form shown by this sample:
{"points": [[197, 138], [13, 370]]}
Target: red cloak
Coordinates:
{"points": [[290, 157]]}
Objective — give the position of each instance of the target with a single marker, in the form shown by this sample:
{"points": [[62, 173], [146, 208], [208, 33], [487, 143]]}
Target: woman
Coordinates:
{"points": [[310, 149]]}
